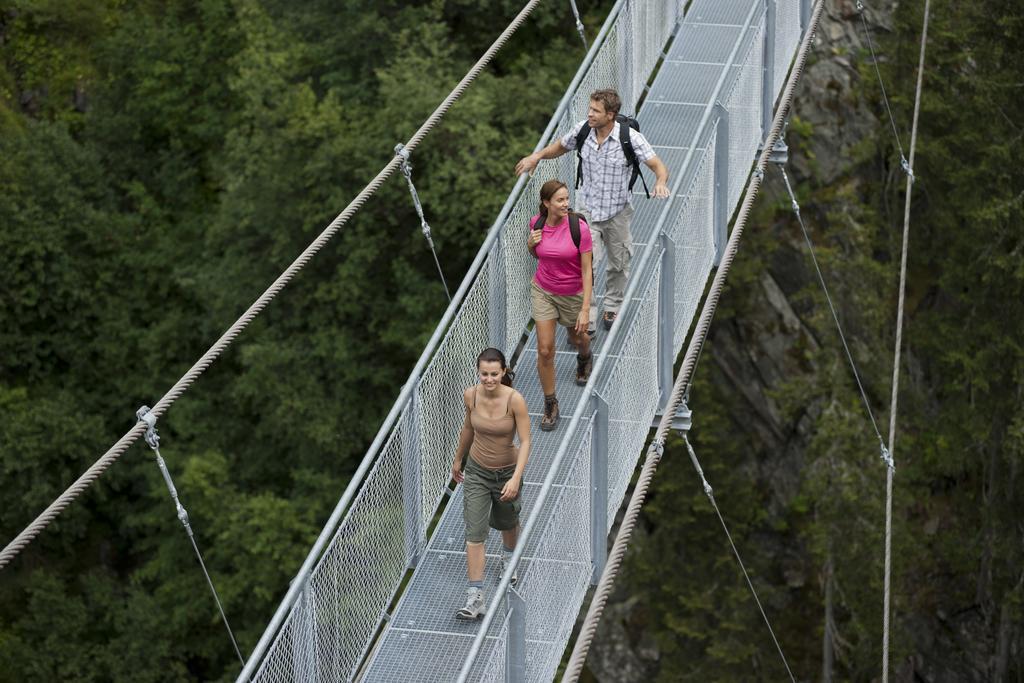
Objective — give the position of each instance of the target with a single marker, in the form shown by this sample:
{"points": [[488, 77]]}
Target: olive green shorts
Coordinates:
{"points": [[482, 506], [548, 306]]}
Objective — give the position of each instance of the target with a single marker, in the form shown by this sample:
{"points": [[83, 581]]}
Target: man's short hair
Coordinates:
{"points": [[609, 98]]}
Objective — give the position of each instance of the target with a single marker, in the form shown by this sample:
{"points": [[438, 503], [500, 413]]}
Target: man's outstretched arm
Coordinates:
{"points": [[556, 149]]}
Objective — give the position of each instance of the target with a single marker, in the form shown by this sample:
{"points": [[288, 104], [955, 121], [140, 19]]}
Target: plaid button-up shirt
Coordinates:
{"points": [[606, 172]]}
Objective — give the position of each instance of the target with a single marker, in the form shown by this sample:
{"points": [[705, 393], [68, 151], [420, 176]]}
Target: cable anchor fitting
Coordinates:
{"points": [[887, 456], [779, 154], [905, 165], [708, 491], [401, 151], [153, 439], [144, 414], [579, 23]]}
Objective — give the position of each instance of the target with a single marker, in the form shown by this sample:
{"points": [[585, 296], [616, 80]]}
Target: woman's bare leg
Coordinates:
{"points": [[546, 355]]}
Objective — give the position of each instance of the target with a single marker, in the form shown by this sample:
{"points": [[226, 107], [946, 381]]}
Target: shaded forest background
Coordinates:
{"points": [[161, 162]]}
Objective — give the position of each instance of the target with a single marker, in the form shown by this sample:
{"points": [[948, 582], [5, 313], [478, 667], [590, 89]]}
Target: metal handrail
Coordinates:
{"points": [[337, 515], [583, 406]]}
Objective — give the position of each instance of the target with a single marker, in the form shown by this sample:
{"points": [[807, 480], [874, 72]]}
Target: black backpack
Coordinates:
{"points": [[625, 123], [574, 228]]}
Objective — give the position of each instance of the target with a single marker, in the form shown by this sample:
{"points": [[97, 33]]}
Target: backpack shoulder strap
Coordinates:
{"points": [[581, 139], [624, 140], [574, 229], [630, 154]]}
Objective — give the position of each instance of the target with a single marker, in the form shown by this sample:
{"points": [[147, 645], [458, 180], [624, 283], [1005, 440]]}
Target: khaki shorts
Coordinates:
{"points": [[547, 306], [482, 506]]}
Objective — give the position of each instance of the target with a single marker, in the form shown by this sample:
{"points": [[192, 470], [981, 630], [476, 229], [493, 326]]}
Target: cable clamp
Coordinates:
{"points": [[759, 173], [658, 447], [887, 456], [144, 414], [860, 6], [403, 152], [905, 165]]}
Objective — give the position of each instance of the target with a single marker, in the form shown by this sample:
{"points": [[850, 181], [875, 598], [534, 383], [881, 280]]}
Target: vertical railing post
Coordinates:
{"points": [[411, 481], [721, 182], [666, 317], [598, 488], [496, 295], [768, 69], [515, 645], [805, 16]]}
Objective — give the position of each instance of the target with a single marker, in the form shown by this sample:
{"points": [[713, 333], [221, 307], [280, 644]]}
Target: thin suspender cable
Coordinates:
{"points": [[835, 316], [682, 382], [153, 439], [896, 360], [402, 152], [907, 166], [579, 24], [711, 496], [182, 385]]}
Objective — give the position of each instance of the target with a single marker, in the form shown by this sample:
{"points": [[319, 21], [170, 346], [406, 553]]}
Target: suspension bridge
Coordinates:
{"points": [[704, 83]]}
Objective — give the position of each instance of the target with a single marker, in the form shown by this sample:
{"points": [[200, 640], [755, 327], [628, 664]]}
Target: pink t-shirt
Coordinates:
{"points": [[558, 263]]}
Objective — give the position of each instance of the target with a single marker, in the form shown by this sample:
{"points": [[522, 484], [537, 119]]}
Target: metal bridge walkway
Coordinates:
{"points": [[704, 113]]}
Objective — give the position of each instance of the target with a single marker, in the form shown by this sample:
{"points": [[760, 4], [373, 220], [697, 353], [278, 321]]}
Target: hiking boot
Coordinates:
{"points": [[515, 573], [474, 607], [583, 368], [608, 319], [550, 419]]}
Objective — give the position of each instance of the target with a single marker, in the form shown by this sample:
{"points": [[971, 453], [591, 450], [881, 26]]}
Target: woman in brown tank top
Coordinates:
{"points": [[493, 475]]}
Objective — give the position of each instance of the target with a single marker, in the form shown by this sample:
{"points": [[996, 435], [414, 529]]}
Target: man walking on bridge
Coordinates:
{"points": [[607, 173]]}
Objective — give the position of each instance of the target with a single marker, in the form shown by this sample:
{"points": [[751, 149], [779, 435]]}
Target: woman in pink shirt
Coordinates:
{"points": [[561, 289]]}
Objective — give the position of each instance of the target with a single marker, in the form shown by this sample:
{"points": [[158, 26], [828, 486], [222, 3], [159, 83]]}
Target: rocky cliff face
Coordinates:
{"points": [[752, 352]]}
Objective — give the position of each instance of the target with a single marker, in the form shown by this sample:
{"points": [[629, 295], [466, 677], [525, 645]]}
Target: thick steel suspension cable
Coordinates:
{"points": [[181, 386], [683, 379], [896, 360]]}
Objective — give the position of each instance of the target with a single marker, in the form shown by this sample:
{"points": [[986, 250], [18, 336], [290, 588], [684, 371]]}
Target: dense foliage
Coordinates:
{"points": [[160, 164]]}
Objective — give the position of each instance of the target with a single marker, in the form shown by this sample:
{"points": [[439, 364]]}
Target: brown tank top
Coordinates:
{"points": [[492, 438]]}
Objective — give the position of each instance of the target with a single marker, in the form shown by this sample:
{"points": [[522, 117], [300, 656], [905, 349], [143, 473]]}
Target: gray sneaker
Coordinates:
{"points": [[515, 573], [474, 607]]}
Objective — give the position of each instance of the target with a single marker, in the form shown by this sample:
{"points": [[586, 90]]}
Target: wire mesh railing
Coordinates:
{"points": [[558, 573], [692, 235], [630, 390]]}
